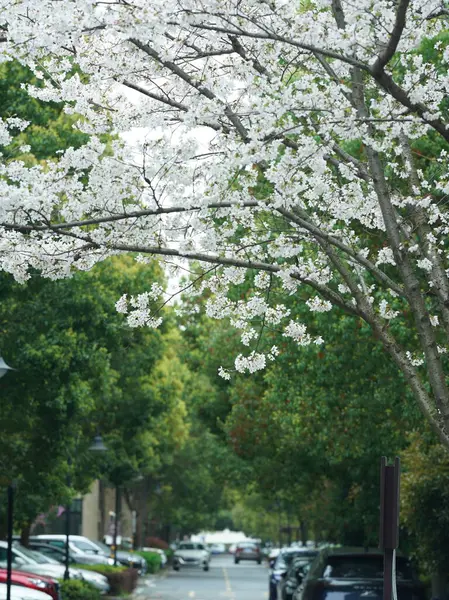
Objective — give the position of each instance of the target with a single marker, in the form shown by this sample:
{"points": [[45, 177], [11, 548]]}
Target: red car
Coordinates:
{"points": [[31, 580]]}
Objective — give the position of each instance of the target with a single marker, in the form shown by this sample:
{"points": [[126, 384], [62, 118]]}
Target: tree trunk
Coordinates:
{"points": [[439, 584], [303, 528], [25, 535]]}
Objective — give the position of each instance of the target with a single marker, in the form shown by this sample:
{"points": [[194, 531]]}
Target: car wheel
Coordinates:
{"points": [[236, 561], [206, 568], [176, 567], [259, 562]]}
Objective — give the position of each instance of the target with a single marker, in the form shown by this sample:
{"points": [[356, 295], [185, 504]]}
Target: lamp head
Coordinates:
{"points": [[4, 368], [98, 445]]}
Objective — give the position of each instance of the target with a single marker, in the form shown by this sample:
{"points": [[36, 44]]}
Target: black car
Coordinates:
{"points": [[280, 565], [356, 574], [297, 571]]}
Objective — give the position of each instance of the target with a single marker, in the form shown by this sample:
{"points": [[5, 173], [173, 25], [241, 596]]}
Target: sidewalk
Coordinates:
{"points": [[148, 582]]}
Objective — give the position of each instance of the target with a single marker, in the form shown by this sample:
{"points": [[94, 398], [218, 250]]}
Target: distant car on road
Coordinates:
{"points": [[247, 551], [217, 548], [191, 554], [356, 573]]}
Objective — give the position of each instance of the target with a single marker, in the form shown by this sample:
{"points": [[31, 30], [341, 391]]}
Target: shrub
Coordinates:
{"points": [[77, 589], [121, 579], [155, 542], [100, 568], [153, 560]]}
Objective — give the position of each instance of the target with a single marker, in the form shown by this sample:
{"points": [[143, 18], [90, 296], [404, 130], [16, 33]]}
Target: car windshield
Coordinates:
{"points": [[191, 546], [33, 556], [53, 553], [363, 567], [85, 546], [103, 547], [285, 559]]}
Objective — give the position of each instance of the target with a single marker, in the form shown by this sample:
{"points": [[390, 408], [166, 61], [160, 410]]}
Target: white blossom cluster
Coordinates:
{"points": [[275, 146]]}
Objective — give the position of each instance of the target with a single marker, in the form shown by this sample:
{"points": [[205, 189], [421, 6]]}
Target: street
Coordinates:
{"points": [[225, 580]]}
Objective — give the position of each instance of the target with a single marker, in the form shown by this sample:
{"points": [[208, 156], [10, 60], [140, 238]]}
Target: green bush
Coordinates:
{"points": [[77, 589], [153, 560], [100, 568], [122, 580]]}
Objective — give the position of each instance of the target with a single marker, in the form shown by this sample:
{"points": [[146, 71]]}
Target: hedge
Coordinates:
{"points": [[101, 568], [153, 560], [77, 589], [121, 579]]}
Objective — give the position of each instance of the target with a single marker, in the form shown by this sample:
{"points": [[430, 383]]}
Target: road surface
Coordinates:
{"points": [[224, 581]]}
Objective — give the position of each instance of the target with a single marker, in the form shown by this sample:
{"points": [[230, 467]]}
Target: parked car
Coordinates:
{"points": [[247, 551], [124, 557], [87, 552], [20, 592], [52, 552], [279, 563], [191, 554], [31, 561], [43, 584], [295, 574], [358, 573]]}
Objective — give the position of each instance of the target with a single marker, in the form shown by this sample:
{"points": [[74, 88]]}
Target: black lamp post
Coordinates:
{"points": [[116, 522], [96, 446], [4, 368]]}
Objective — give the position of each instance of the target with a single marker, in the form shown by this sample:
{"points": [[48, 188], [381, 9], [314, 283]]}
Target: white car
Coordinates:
{"points": [[217, 548], [87, 551], [19, 592], [191, 554], [31, 561]]}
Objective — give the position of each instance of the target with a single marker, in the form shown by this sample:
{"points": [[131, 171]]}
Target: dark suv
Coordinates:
{"points": [[339, 573]]}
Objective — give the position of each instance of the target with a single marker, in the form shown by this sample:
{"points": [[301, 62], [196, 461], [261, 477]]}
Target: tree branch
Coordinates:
{"points": [[204, 91], [303, 221], [124, 216], [387, 54]]}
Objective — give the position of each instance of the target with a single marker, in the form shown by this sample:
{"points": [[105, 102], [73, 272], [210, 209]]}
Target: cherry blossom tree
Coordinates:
{"points": [[282, 140]]}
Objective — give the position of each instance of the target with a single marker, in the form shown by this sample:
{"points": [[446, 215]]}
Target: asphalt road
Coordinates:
{"points": [[224, 581]]}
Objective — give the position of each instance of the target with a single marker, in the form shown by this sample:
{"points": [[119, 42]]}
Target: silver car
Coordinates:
{"points": [[35, 562], [191, 554]]}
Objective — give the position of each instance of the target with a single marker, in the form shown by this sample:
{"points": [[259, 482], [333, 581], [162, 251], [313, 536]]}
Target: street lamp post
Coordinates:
{"points": [[4, 368], [116, 521], [96, 446]]}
